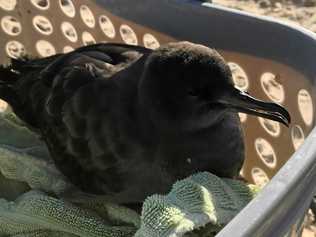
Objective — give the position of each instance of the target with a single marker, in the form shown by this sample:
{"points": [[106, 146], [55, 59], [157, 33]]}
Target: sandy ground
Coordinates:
{"points": [[301, 12]]}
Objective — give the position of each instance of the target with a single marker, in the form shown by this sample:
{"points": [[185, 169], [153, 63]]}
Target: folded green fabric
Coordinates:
{"points": [[35, 200]]}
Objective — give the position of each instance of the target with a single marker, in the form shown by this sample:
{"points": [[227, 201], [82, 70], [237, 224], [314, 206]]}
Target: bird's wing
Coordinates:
{"points": [[68, 94], [64, 74], [101, 55]]}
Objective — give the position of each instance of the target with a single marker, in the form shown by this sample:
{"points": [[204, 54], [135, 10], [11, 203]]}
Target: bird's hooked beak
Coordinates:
{"points": [[242, 102]]}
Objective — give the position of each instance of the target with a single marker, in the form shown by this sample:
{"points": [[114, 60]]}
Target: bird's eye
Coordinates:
{"points": [[193, 92]]}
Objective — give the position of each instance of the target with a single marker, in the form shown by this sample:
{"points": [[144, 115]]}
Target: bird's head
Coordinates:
{"points": [[191, 85]]}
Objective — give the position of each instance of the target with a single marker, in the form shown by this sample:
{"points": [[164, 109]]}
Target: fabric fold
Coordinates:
{"points": [[199, 205]]}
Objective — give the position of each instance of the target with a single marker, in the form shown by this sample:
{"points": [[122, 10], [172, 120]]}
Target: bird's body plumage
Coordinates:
{"points": [[87, 106]]}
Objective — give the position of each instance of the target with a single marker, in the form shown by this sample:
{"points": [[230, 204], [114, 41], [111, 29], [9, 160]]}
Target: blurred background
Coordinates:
{"points": [[300, 12]]}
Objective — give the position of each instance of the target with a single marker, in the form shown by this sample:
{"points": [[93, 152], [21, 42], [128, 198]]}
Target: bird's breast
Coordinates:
{"points": [[218, 149]]}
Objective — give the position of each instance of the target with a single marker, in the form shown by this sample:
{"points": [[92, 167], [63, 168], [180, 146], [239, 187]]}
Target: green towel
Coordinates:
{"points": [[35, 200]]}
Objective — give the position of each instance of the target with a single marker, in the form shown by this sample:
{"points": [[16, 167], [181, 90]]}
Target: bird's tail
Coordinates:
{"points": [[8, 78], [18, 81], [22, 87]]}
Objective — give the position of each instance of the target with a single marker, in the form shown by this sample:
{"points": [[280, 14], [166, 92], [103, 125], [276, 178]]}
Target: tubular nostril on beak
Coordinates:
{"points": [[243, 102]]}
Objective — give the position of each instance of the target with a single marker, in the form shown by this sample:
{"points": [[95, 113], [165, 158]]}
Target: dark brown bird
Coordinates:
{"points": [[127, 121]]}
